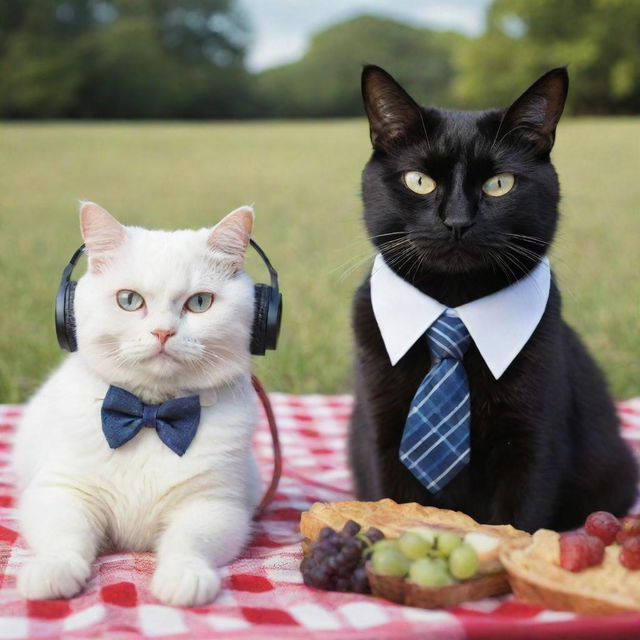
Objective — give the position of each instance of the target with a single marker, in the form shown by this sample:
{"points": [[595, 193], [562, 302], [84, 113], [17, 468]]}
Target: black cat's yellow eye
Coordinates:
{"points": [[129, 300], [419, 182], [499, 185], [199, 302]]}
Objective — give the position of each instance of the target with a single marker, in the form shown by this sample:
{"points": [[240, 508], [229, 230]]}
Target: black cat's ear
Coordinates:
{"points": [[535, 114], [390, 109]]}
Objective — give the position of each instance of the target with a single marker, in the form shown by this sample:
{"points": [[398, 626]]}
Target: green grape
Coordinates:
{"points": [[441, 562], [428, 572], [428, 534], [447, 541], [390, 562], [463, 562], [385, 543], [413, 545]]}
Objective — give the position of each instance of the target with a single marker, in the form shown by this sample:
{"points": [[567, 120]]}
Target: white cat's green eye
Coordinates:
{"points": [[499, 185], [419, 182], [129, 300], [199, 302]]}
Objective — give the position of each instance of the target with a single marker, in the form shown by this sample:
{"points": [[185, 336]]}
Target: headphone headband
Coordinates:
{"points": [[74, 260], [267, 307], [273, 274]]}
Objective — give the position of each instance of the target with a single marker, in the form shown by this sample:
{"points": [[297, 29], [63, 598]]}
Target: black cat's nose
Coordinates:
{"points": [[458, 227]]}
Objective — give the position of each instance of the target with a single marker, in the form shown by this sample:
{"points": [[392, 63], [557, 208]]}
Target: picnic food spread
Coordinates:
{"points": [[433, 558]]}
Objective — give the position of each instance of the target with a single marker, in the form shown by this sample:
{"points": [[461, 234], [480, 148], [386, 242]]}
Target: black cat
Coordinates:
{"points": [[461, 205]]}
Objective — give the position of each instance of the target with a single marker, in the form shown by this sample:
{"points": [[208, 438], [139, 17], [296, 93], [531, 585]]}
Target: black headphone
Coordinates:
{"points": [[266, 320]]}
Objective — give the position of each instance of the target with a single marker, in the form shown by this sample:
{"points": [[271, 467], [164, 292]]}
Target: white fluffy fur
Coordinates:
{"points": [[78, 496]]}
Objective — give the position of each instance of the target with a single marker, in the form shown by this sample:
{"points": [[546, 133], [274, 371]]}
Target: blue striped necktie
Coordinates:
{"points": [[435, 443]]}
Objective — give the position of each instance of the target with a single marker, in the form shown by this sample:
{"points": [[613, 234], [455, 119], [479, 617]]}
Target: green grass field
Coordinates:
{"points": [[304, 180]]}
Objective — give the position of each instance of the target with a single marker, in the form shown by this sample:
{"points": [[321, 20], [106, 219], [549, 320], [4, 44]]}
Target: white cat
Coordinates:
{"points": [[144, 324]]}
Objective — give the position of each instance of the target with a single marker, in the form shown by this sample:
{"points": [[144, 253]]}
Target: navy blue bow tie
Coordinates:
{"points": [[176, 421]]}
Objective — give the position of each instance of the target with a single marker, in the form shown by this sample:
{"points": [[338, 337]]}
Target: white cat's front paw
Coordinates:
{"points": [[53, 576], [185, 582]]}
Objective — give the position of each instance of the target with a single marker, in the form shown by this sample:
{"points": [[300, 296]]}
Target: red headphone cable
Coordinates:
{"points": [[277, 452]]}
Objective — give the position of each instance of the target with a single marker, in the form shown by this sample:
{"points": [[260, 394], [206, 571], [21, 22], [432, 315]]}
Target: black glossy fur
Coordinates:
{"points": [[545, 448]]}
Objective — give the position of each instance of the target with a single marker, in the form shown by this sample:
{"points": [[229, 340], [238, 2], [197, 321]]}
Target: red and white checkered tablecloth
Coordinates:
{"points": [[263, 593]]}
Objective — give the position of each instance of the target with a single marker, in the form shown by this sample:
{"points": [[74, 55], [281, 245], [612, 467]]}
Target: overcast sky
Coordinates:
{"points": [[282, 28]]}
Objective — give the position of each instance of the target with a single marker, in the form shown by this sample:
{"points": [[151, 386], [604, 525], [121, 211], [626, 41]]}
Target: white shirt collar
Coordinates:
{"points": [[500, 324]]}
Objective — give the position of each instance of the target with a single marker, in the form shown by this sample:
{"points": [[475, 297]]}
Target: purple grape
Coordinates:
{"points": [[322, 577], [352, 548], [332, 546], [343, 584], [350, 528], [359, 581], [374, 534], [317, 554], [309, 578], [326, 533], [335, 561]]}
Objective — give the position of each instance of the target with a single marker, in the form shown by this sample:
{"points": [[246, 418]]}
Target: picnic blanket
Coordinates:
{"points": [[263, 594]]}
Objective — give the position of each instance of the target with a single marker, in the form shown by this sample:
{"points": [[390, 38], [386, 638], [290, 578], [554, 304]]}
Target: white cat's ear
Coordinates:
{"points": [[102, 234], [230, 237]]}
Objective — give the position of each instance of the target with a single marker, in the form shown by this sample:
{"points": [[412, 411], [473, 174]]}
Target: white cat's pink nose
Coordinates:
{"points": [[163, 334]]}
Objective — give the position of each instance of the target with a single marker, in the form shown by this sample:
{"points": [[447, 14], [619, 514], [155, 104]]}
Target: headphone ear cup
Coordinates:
{"points": [[274, 318], [65, 319], [70, 316], [260, 316]]}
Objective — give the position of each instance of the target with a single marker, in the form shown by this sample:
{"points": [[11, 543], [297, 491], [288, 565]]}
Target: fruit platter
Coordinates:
{"points": [[435, 558]]}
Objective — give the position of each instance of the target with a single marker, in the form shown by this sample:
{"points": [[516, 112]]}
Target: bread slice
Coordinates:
{"points": [[536, 576], [392, 518]]}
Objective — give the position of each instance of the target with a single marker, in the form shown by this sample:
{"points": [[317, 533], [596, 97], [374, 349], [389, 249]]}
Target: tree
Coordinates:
{"points": [[325, 82], [599, 40], [122, 58]]}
